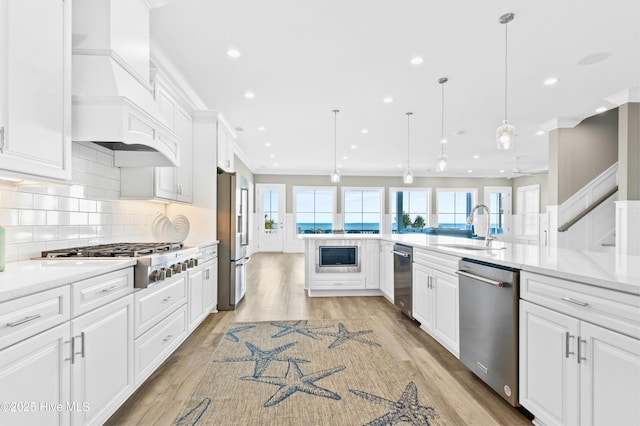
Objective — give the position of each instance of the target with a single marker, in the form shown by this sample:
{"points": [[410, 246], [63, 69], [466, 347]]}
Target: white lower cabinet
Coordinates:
{"points": [[35, 378], [386, 269], [371, 264], [573, 372], [102, 364], [435, 297], [203, 292]]}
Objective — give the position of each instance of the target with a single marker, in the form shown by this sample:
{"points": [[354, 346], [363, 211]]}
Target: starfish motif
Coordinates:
{"points": [[295, 381], [231, 334], [300, 327], [407, 409], [343, 335], [194, 415], [263, 358]]}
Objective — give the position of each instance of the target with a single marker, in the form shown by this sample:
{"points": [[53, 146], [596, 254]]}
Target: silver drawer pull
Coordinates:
{"points": [[166, 299], [482, 279], [110, 289], [399, 253], [566, 345], [166, 339], [580, 357], [23, 320], [575, 302]]}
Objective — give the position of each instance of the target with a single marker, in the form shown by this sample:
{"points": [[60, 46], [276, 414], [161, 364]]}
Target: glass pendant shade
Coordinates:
{"points": [[506, 135], [441, 163], [408, 176], [335, 176]]}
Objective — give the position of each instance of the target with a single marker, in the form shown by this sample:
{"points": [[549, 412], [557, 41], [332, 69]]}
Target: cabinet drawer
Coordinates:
{"points": [[442, 262], [24, 317], [207, 253], [153, 347], [154, 303], [338, 284], [95, 292], [608, 308]]}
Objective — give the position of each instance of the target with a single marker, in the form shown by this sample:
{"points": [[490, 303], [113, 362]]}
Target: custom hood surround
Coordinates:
{"points": [[112, 98]]}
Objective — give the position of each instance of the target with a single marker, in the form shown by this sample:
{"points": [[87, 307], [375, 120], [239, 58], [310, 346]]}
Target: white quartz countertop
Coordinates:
{"points": [[32, 276], [600, 269]]}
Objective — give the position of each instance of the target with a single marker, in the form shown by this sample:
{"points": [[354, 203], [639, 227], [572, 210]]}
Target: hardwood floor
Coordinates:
{"points": [[275, 291]]}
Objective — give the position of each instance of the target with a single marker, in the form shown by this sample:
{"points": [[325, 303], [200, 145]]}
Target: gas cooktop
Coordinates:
{"points": [[114, 250]]}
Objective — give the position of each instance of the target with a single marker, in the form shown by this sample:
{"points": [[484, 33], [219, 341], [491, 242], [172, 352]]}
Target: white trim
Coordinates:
{"points": [[379, 189], [521, 195], [624, 96], [334, 194], [426, 189], [474, 198], [561, 123], [508, 225]]}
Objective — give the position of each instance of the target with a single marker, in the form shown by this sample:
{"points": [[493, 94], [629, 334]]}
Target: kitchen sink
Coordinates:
{"points": [[469, 247]]}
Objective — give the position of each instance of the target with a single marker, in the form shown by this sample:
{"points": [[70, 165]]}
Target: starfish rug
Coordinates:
{"points": [[316, 372]]}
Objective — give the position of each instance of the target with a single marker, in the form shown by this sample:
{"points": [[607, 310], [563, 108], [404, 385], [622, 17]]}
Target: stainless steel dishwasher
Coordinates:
{"points": [[403, 278], [489, 324]]}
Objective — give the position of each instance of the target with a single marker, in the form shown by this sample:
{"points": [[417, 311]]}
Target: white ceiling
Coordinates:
{"points": [[304, 58]]}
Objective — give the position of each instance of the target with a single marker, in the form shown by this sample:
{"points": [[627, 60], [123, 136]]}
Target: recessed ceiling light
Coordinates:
{"points": [[267, 144], [400, 165], [275, 164], [469, 171], [476, 156], [344, 157], [550, 81], [540, 132], [502, 171], [443, 141], [234, 53], [354, 146], [601, 109], [387, 100], [272, 156], [249, 95], [339, 166], [364, 131], [262, 128], [417, 60]]}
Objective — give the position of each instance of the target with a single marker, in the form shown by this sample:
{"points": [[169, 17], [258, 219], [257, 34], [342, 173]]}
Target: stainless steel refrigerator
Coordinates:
{"points": [[233, 228]]}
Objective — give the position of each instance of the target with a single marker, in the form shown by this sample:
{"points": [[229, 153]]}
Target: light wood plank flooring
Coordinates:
{"points": [[275, 292]]}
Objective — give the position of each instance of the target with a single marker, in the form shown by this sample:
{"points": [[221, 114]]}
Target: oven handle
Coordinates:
{"points": [[246, 260], [399, 253], [479, 278]]}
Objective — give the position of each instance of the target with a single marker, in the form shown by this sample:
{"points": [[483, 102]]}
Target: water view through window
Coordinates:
{"points": [[409, 210], [453, 209], [314, 211], [362, 211]]}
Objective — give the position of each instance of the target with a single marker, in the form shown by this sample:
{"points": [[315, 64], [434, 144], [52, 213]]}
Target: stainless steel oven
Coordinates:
{"points": [[338, 256]]}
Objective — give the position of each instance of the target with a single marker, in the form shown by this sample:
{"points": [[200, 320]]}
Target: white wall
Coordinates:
{"points": [[85, 212]]}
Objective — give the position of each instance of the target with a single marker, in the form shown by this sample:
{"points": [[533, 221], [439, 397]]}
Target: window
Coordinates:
{"points": [[270, 211], [362, 210], [454, 205], [410, 209], [314, 209], [499, 201], [528, 211]]}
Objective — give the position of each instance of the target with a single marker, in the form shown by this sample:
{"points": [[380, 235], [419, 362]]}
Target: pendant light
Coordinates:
{"points": [[408, 174], [441, 163], [506, 133], [335, 174]]}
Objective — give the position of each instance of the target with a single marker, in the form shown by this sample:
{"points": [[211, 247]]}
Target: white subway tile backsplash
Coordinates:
{"points": [[88, 211], [32, 217], [45, 202]]}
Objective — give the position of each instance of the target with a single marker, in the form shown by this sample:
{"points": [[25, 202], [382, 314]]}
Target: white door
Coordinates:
{"points": [[422, 296], [102, 374], [445, 301], [386, 269], [270, 210], [549, 365], [35, 374], [498, 199], [609, 377], [210, 287], [196, 296]]}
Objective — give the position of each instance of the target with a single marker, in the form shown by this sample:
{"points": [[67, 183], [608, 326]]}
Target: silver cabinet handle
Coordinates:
{"points": [[566, 345], [482, 279], [580, 357], [73, 350], [575, 302], [166, 339], [23, 320], [399, 253], [82, 344], [110, 289]]}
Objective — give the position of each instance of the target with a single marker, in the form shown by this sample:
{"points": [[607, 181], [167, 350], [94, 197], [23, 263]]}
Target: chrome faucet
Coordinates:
{"points": [[488, 238]]}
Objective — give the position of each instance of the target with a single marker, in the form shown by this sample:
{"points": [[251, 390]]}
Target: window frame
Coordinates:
{"points": [[521, 216], [474, 199], [334, 203], [381, 191], [428, 190]]}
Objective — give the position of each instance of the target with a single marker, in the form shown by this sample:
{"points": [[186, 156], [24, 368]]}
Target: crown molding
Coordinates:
{"points": [[561, 123], [154, 4], [624, 96]]}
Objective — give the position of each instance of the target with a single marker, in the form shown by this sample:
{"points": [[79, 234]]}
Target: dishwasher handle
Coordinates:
{"points": [[482, 279], [400, 253]]}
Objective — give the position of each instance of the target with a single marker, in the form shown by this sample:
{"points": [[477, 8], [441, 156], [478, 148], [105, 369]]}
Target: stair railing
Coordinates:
{"points": [[588, 209]]}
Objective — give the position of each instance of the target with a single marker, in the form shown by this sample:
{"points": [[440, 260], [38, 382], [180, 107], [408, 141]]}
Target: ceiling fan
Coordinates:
{"points": [[517, 172]]}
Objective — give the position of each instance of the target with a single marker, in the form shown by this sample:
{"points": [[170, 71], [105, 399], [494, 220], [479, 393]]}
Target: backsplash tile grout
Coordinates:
{"points": [[88, 211]]}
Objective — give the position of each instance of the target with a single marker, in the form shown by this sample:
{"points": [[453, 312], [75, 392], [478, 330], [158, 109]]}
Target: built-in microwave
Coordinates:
{"points": [[338, 256]]}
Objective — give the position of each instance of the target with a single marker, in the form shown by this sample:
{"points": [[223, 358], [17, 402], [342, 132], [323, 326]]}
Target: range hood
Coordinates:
{"points": [[112, 98]]}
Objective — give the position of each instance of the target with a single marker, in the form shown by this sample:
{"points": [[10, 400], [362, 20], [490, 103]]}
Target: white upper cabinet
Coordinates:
{"points": [[225, 139], [35, 88]]}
